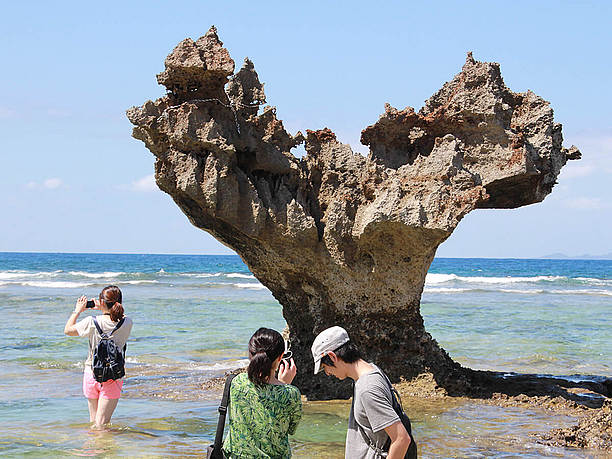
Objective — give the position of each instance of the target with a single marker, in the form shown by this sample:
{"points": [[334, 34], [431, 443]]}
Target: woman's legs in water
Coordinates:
{"points": [[102, 398], [106, 407], [92, 403], [101, 410]]}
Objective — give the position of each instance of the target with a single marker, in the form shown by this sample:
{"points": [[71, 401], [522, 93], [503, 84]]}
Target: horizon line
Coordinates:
{"points": [[565, 257]]}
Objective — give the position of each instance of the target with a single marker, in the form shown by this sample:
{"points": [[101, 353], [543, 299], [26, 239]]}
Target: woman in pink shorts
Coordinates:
{"points": [[103, 397]]}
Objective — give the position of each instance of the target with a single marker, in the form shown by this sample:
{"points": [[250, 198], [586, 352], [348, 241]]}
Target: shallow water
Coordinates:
{"points": [[194, 315]]}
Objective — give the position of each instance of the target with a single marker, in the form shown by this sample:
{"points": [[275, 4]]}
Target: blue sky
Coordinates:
{"points": [[73, 180]]}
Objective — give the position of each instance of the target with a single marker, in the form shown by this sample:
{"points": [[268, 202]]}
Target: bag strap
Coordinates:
{"points": [[399, 409], [222, 413], [394, 392], [97, 326], [119, 324]]}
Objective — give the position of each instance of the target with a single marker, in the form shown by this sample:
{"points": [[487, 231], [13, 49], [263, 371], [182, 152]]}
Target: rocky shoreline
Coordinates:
{"points": [[589, 401]]}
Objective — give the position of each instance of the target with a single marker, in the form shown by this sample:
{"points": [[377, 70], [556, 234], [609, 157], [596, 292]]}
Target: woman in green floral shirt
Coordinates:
{"points": [[264, 409]]}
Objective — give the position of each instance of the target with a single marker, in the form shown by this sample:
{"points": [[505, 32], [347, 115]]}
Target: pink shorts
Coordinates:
{"points": [[93, 389]]}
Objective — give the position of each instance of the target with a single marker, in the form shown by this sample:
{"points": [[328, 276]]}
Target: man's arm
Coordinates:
{"points": [[400, 440]]}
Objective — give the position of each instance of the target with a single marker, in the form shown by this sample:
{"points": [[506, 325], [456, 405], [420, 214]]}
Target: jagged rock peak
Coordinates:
{"points": [[197, 70], [245, 90]]}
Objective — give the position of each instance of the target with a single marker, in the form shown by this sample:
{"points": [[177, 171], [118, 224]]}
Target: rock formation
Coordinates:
{"points": [[339, 238]]}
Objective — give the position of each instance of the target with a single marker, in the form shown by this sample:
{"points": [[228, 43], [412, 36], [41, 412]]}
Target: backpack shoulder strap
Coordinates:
{"points": [[399, 409], [97, 326], [119, 324], [222, 413]]}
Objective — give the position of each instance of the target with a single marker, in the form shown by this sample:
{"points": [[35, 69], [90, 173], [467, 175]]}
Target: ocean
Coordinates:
{"points": [[193, 316]]}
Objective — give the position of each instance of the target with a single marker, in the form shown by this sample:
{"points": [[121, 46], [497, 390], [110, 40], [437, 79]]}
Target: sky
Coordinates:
{"points": [[72, 179]]}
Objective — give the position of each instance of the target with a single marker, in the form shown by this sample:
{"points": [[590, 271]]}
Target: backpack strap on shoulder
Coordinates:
{"points": [[399, 409], [119, 324], [97, 326]]}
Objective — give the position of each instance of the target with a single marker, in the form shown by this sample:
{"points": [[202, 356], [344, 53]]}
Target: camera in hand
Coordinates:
{"points": [[90, 304]]}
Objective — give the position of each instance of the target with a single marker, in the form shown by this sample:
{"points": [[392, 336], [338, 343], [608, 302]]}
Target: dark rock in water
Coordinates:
{"points": [[339, 238]]}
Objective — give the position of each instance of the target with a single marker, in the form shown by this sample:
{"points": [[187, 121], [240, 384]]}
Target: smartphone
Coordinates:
{"points": [[90, 304]]}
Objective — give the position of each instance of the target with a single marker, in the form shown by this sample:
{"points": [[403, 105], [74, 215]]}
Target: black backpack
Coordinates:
{"points": [[397, 407], [108, 358]]}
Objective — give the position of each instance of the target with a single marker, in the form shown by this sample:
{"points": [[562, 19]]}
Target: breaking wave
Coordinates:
{"points": [[248, 285], [442, 278]]}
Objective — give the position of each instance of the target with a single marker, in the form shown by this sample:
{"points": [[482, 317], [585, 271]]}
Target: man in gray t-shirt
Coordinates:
{"points": [[372, 420]]}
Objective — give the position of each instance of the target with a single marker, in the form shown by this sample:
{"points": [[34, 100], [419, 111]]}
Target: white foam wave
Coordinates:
{"points": [[592, 281], [518, 290], [231, 365], [560, 292], [240, 275], [134, 282], [58, 284], [583, 292], [192, 366], [15, 274], [441, 278], [446, 290], [201, 274], [249, 285], [106, 274], [600, 292], [432, 278]]}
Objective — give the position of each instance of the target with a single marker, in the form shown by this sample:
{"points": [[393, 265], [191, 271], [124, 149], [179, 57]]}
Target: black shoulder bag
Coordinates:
{"points": [[214, 451], [397, 407]]}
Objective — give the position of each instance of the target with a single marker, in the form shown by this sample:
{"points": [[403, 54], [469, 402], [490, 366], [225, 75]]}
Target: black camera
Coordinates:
{"points": [[90, 304]]}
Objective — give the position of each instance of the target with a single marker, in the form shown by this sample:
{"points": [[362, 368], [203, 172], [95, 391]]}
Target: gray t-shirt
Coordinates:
{"points": [[86, 327], [373, 409]]}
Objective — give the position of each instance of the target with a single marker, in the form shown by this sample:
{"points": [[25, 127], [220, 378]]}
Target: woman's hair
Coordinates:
{"points": [[265, 346], [112, 298]]}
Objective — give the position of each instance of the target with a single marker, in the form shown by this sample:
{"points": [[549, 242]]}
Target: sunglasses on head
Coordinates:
{"points": [[287, 354]]}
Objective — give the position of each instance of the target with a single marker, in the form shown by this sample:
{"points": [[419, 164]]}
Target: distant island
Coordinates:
{"points": [[561, 256]]}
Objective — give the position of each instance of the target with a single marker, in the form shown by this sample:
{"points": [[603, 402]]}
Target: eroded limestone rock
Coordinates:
{"points": [[339, 238]]}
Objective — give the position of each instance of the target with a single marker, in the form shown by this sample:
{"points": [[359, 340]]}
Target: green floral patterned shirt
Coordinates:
{"points": [[261, 419]]}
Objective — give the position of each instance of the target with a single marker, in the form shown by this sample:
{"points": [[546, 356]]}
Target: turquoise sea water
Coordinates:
{"points": [[193, 316]]}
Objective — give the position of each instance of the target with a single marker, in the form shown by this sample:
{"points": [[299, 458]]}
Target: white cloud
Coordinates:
{"points": [[145, 184], [51, 183], [586, 204]]}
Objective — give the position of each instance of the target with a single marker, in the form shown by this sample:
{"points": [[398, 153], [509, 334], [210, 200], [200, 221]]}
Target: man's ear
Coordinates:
{"points": [[333, 357]]}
